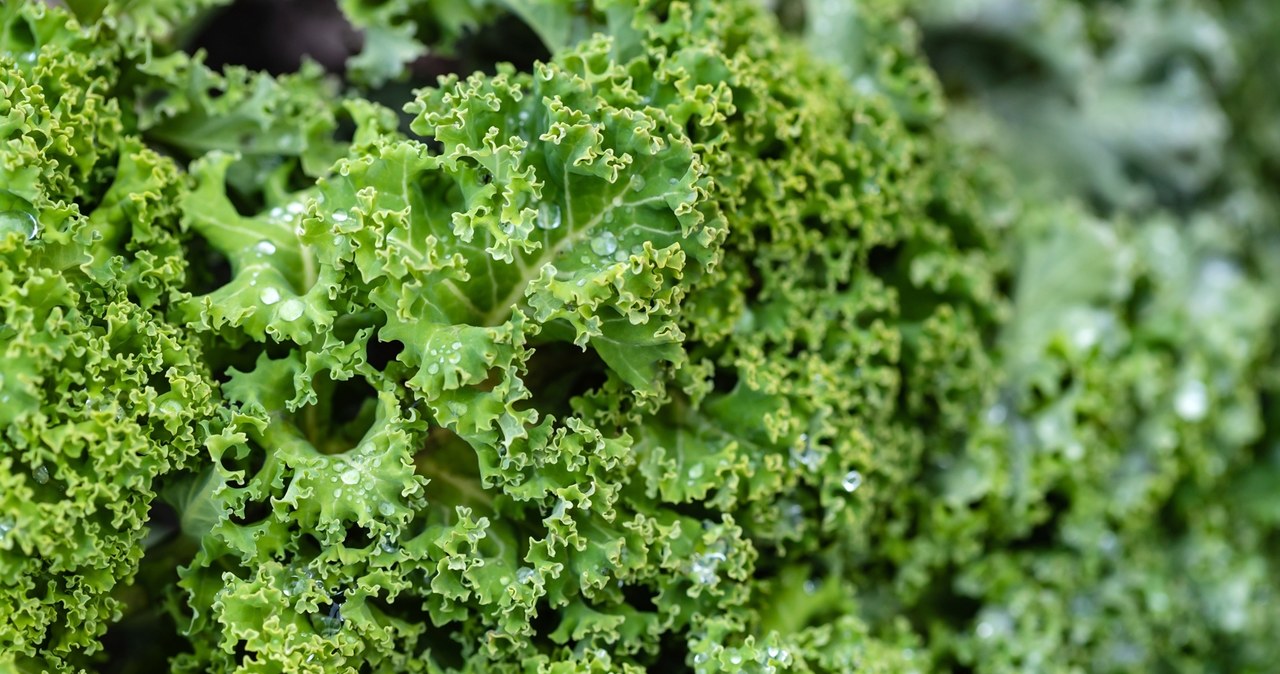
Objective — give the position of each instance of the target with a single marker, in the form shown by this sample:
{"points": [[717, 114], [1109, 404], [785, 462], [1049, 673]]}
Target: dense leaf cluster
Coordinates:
{"points": [[704, 344]]}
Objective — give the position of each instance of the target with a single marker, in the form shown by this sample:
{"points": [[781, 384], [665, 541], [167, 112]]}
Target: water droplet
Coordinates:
{"points": [[735, 659], [456, 345], [1085, 336], [548, 216], [700, 658], [1192, 401], [269, 296], [292, 309], [339, 216], [1074, 451], [433, 368], [40, 474], [265, 247], [20, 222], [386, 544], [295, 207], [996, 414], [524, 574], [524, 115], [994, 623], [852, 480], [805, 455], [811, 586], [386, 509], [331, 624], [350, 476], [299, 582], [276, 213], [695, 472], [604, 244], [637, 182], [703, 567]]}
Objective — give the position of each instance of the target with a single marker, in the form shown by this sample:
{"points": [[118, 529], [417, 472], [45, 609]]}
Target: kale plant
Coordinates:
{"points": [[650, 335]]}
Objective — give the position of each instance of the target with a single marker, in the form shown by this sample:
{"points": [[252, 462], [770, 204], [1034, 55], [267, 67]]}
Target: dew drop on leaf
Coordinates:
{"points": [[291, 310], [604, 244], [19, 222], [1192, 401], [852, 480], [269, 296], [548, 216]]}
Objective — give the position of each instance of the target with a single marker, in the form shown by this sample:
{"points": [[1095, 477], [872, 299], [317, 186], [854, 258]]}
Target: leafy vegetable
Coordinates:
{"points": [[699, 345]]}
